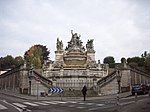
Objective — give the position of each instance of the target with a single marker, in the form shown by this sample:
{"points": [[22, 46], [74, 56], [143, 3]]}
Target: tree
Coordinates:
{"points": [[136, 61], [123, 60], [109, 60], [36, 55], [147, 62], [8, 62], [1, 63], [18, 61]]}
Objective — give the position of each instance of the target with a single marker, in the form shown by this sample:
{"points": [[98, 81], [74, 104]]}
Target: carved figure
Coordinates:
{"points": [[89, 45], [75, 43], [59, 45]]}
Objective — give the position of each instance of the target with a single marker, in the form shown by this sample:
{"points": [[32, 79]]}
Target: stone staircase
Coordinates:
{"points": [[43, 80], [107, 79], [75, 93]]}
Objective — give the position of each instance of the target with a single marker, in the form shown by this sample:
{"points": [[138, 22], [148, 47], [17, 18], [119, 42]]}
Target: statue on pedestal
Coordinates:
{"points": [[90, 46], [75, 43], [59, 45]]}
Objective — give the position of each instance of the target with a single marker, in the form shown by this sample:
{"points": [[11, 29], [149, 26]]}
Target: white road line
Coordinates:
{"points": [[80, 107], [2, 107], [20, 105], [96, 108], [40, 103], [81, 103], [50, 102], [100, 104], [31, 104], [89, 103], [72, 102], [127, 103], [60, 102], [20, 110]]}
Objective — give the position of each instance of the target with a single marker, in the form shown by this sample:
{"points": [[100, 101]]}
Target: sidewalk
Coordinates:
{"points": [[27, 97]]}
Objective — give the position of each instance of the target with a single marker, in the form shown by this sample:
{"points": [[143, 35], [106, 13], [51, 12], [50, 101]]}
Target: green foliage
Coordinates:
{"points": [[36, 55], [143, 62], [9, 62], [147, 62], [123, 60], [109, 60], [18, 60], [140, 61]]}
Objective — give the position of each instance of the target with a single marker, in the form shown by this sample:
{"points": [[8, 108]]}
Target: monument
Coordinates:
{"points": [[75, 66]]}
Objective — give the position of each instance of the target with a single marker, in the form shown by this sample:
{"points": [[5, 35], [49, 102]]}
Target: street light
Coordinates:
{"points": [[118, 77], [30, 78]]}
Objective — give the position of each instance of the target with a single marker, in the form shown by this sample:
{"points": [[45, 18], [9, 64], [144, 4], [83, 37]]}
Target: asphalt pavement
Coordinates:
{"points": [[27, 97], [107, 103], [142, 105]]}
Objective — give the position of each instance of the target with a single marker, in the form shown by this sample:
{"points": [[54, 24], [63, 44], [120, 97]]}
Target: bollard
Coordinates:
{"points": [[136, 96], [61, 96], [117, 99]]}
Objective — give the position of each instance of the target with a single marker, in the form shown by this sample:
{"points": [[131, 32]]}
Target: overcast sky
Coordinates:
{"points": [[120, 28]]}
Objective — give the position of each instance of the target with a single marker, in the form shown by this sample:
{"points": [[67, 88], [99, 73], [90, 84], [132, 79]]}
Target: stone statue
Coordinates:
{"points": [[75, 43], [99, 62], [59, 45], [89, 45]]}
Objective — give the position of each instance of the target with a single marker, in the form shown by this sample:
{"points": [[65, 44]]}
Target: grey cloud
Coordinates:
{"points": [[117, 27]]}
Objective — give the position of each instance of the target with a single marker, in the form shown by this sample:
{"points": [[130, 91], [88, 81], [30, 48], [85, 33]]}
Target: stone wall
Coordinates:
{"points": [[129, 77], [18, 80], [37, 88], [14, 80], [109, 88], [139, 77]]}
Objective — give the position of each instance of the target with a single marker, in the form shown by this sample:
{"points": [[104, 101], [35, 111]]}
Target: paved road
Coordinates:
{"points": [[51, 106], [13, 104], [8, 107], [143, 105]]}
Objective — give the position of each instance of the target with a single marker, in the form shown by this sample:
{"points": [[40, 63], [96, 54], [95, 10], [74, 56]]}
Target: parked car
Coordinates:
{"points": [[140, 89]]}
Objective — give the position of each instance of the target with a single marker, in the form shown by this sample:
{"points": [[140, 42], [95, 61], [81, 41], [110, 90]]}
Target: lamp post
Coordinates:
{"points": [[118, 77], [37, 82], [30, 78]]}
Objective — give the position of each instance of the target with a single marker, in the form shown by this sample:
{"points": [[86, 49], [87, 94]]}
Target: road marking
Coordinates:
{"points": [[89, 103], [60, 102], [102, 107], [126, 103], [31, 104], [50, 102], [20, 110], [2, 107], [72, 102], [20, 105], [80, 107], [41, 103], [100, 104], [81, 103]]}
